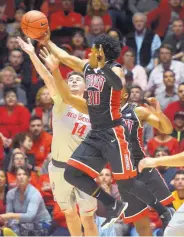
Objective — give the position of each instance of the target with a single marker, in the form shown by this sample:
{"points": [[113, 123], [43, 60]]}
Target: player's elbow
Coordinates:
{"points": [[168, 129]]}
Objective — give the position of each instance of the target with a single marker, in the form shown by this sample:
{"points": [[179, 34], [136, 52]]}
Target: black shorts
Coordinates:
{"points": [[136, 208], [101, 147]]}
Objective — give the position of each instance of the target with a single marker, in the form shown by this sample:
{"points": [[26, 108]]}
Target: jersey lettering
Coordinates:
{"points": [[79, 130], [93, 97], [129, 124]]}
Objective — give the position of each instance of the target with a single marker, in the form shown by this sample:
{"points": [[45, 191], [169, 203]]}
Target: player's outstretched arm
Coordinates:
{"points": [[40, 68], [153, 115], [62, 87], [171, 161]]}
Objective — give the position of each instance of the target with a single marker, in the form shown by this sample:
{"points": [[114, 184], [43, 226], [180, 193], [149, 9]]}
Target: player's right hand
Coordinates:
{"points": [[45, 38], [50, 60], [147, 163], [26, 47]]}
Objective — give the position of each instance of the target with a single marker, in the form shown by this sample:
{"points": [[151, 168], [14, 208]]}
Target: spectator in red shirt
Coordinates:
{"points": [[80, 45], [165, 13], [65, 17], [163, 140], [41, 141], [44, 108], [14, 117], [176, 106], [1, 152]]}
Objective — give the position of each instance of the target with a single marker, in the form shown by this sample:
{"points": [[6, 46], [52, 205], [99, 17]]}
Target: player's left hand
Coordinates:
{"points": [[146, 163], [153, 105], [26, 46], [50, 60]]}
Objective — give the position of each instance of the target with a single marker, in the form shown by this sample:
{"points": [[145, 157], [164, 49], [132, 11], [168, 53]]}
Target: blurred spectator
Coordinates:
{"points": [[165, 14], [14, 117], [1, 151], [139, 76], [155, 82], [80, 45], [24, 142], [18, 159], [44, 108], [143, 41], [169, 94], [166, 172], [14, 27], [142, 6], [105, 181], [136, 97], [26, 212], [39, 5], [176, 39], [65, 17], [176, 106], [3, 40], [178, 131], [3, 191], [97, 28], [178, 194], [8, 79], [97, 8], [162, 139], [116, 34], [182, 146], [41, 141], [7, 9]]}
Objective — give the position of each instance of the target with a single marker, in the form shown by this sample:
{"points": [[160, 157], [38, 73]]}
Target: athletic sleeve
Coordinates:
{"points": [[59, 106]]}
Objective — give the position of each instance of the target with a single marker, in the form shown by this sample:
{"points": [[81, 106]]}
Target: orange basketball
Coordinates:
{"points": [[34, 24]]}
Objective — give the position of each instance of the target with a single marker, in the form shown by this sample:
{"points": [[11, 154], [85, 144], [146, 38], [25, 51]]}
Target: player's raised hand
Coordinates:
{"points": [[50, 60], [153, 105], [45, 38], [26, 46], [101, 57], [93, 61], [147, 163]]}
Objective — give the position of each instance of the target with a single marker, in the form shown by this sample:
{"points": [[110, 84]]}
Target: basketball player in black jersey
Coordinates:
{"points": [[106, 142], [134, 117]]}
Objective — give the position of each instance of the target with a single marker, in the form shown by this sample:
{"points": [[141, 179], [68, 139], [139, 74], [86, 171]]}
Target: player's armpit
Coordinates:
{"points": [[73, 62], [78, 103]]}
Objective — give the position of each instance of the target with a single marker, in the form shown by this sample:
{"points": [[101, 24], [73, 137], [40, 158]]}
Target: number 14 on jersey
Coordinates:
{"points": [[79, 129]]}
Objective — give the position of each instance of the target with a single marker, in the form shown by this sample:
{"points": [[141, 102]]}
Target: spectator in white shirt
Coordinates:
{"points": [[155, 83], [139, 73]]}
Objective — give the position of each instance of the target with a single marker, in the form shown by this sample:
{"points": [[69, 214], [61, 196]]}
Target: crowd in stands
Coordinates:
{"points": [[151, 33]]}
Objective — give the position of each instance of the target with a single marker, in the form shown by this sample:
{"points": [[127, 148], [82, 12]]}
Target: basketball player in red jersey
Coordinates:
{"points": [[106, 142]]}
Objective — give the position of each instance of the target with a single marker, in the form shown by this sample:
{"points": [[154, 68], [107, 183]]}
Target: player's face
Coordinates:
{"points": [[2, 179], [169, 78], [135, 95], [11, 99], [105, 177], [181, 93], [179, 182], [139, 23], [76, 84], [22, 178], [36, 127], [19, 160], [28, 143], [45, 97]]}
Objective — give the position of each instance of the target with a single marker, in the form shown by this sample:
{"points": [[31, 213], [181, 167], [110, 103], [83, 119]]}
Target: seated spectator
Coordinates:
{"points": [[3, 191], [3, 40], [119, 228], [165, 14], [142, 6], [97, 28], [136, 97], [44, 108], [166, 172], [116, 34], [139, 76], [14, 27], [8, 79], [162, 139], [7, 7], [80, 45], [143, 41], [41, 141], [14, 117], [176, 106], [155, 82], [169, 94], [26, 213], [178, 194], [24, 142], [18, 159], [39, 5], [178, 131], [176, 39], [97, 8], [65, 17]]}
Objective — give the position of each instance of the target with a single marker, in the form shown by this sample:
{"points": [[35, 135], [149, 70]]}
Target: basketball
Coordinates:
{"points": [[34, 24]]}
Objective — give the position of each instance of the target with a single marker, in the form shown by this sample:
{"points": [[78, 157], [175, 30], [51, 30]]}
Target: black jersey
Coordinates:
{"points": [[103, 101], [135, 131]]}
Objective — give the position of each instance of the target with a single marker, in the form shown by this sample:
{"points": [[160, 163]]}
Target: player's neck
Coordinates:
{"points": [[181, 194], [78, 94]]}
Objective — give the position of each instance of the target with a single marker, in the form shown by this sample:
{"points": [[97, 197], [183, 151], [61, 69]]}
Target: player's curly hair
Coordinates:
{"points": [[111, 46]]}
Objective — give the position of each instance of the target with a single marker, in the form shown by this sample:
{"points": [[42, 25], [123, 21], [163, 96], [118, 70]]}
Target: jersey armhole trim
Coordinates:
{"points": [[85, 68], [140, 124]]}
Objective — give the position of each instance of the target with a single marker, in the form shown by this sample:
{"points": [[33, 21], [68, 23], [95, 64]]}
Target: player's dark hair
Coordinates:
{"points": [[75, 73], [120, 36], [7, 90], [111, 46], [162, 149], [128, 91], [178, 172], [34, 117]]}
